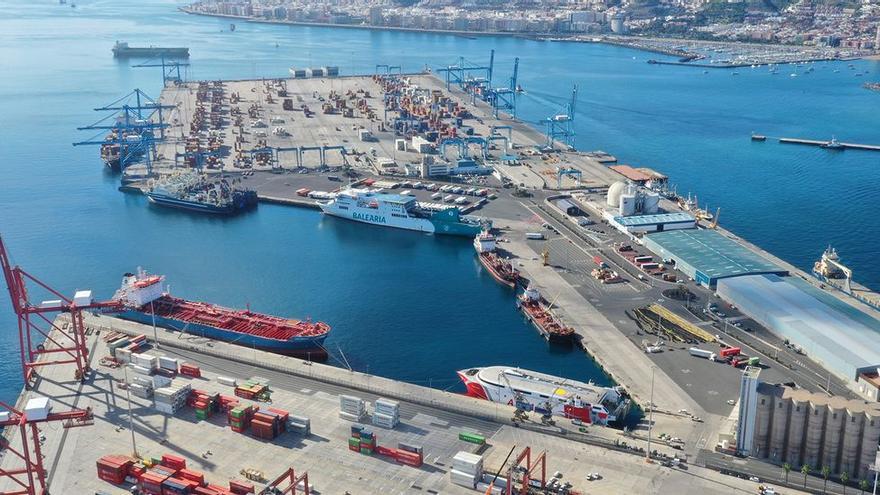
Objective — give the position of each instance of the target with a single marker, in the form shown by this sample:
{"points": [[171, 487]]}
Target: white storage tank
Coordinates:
{"points": [[627, 204], [652, 203], [614, 192]]}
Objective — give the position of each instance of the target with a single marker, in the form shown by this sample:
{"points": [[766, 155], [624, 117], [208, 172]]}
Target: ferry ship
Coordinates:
{"points": [[402, 212], [500, 269], [546, 394], [536, 309], [195, 192], [145, 301], [122, 50]]}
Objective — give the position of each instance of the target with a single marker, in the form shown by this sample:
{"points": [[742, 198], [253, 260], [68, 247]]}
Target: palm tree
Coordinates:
{"points": [[863, 485], [844, 479], [805, 469], [826, 471], [786, 468]]}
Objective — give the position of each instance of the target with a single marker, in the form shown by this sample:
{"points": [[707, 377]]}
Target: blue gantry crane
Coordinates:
{"points": [[133, 127], [170, 70], [502, 98], [560, 125], [469, 76]]}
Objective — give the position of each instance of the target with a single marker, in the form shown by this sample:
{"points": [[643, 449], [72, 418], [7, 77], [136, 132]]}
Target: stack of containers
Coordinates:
{"points": [[160, 381], [239, 417], [167, 363], [204, 403], [386, 413], [147, 361], [252, 390], [362, 440], [226, 403], [114, 468], [120, 342], [300, 424], [122, 355], [140, 386], [172, 398], [151, 481], [240, 487], [178, 486], [140, 370], [269, 423], [351, 408], [467, 469], [409, 454]]}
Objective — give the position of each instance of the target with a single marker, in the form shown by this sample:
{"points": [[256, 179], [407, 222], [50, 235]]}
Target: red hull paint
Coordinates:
{"points": [[474, 389], [501, 270]]}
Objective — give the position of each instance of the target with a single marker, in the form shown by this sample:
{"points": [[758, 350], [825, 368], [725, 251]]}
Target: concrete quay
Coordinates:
{"points": [[309, 390]]}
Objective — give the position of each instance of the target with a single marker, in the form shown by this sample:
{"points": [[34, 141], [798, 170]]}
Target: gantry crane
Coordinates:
{"points": [[170, 70], [31, 478], [505, 98], [293, 481], [462, 73], [560, 125], [68, 340]]}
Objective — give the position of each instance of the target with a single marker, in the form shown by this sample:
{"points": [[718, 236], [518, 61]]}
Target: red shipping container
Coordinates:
{"points": [[354, 448], [384, 450], [190, 370], [173, 461], [191, 475], [730, 351], [240, 487], [136, 470], [201, 490]]}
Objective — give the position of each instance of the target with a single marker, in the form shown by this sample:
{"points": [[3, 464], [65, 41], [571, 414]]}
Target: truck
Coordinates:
{"points": [[538, 236], [701, 353]]}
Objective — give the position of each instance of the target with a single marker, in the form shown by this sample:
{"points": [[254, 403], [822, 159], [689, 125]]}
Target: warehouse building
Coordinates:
{"points": [[786, 424], [660, 222], [707, 256], [568, 207], [844, 340]]}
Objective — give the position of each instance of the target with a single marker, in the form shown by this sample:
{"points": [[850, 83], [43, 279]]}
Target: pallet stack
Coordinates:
{"points": [[467, 469], [351, 408], [386, 413]]}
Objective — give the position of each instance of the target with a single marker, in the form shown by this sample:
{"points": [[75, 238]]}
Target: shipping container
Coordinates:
{"points": [[730, 352]]}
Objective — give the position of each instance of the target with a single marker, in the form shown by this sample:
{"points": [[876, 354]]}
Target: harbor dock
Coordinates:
{"points": [[842, 145], [429, 418]]}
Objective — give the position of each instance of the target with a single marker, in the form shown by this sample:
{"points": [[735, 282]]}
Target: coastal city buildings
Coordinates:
{"points": [[803, 23]]}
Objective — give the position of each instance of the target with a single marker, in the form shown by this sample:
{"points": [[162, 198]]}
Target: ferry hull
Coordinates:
{"points": [[304, 347]]}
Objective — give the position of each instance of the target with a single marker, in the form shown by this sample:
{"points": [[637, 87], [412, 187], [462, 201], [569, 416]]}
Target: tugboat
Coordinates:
{"points": [[500, 269], [536, 309], [758, 137]]}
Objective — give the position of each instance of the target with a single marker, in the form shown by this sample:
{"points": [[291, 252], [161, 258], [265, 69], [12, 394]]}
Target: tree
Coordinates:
{"points": [[826, 471], [844, 479], [863, 485], [805, 469], [786, 468]]}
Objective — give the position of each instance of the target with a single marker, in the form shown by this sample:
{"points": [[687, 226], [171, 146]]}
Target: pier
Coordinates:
{"points": [[825, 144]]}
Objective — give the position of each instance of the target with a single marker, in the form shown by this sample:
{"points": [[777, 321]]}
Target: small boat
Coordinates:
{"points": [[834, 144], [758, 137], [232, 27]]}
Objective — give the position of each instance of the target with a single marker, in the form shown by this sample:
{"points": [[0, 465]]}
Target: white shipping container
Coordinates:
{"points": [[160, 381], [168, 363], [123, 355], [350, 417], [225, 380], [463, 479], [134, 368]]}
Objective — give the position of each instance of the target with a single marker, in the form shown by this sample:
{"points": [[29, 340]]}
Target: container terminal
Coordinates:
{"points": [[635, 272]]}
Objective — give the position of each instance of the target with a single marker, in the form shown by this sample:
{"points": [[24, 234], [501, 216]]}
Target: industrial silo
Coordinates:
{"points": [[870, 440], [815, 427], [852, 441], [777, 431], [833, 435], [614, 192], [763, 418], [795, 444]]}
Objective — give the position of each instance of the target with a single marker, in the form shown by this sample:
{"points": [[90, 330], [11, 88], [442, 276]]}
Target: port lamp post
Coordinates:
{"points": [[650, 418]]}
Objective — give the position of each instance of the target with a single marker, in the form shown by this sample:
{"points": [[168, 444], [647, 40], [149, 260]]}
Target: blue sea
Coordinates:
{"points": [[401, 304]]}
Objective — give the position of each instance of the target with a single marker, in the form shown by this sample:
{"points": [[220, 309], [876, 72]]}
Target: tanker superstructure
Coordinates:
{"points": [[146, 301]]}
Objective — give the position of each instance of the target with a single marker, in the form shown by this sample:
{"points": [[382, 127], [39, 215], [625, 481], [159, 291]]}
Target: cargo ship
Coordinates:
{"points": [[549, 395], [122, 50], [398, 211], [500, 269], [146, 301], [536, 309], [196, 192]]}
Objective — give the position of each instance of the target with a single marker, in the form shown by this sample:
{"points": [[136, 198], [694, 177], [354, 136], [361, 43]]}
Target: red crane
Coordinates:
{"points": [[31, 478], [67, 343], [292, 481]]}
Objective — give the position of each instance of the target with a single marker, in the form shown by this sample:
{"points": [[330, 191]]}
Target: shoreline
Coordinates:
{"points": [[603, 39]]}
